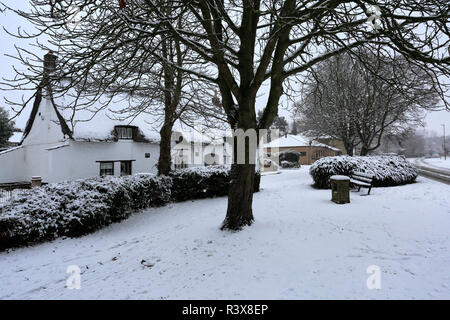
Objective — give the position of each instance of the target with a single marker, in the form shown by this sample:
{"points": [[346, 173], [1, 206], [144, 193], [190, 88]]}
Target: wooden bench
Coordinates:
{"points": [[361, 180]]}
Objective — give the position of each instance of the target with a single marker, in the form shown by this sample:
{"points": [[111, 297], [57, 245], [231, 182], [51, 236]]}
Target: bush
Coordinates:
{"points": [[387, 170], [289, 159], [203, 182], [289, 165], [78, 207], [75, 208]]}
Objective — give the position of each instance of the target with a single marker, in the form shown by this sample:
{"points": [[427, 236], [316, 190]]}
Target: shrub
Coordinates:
{"points": [[289, 165], [387, 170], [78, 207], [289, 156], [203, 182], [75, 208]]}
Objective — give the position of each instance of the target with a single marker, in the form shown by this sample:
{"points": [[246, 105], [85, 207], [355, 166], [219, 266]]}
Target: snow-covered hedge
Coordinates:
{"points": [[78, 207], [75, 208], [387, 170], [203, 182]]}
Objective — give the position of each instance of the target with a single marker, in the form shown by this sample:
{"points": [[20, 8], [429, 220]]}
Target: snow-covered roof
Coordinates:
{"points": [[95, 122], [101, 127], [291, 141]]}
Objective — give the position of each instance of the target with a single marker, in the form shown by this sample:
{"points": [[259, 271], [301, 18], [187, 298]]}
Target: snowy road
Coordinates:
{"points": [[301, 246]]}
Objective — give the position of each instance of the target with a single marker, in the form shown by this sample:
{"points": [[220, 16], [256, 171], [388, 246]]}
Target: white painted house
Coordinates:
{"points": [[50, 149], [53, 150]]}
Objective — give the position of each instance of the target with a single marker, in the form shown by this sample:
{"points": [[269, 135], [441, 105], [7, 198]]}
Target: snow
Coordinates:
{"points": [[290, 141], [11, 149], [96, 121], [438, 162], [340, 178], [302, 245]]}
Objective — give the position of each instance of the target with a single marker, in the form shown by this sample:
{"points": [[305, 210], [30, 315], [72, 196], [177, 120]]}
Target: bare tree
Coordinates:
{"points": [[361, 99], [329, 99], [148, 76], [242, 44]]}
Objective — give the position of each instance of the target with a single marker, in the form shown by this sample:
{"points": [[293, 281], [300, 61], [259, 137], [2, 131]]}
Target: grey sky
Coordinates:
{"points": [[434, 120]]}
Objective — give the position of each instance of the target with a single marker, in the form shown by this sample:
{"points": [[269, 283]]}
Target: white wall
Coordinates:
{"points": [[12, 166], [80, 159], [46, 128], [47, 153]]}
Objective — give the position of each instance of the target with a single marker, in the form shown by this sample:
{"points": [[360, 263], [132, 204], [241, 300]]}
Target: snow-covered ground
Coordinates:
{"points": [[438, 162], [302, 245]]}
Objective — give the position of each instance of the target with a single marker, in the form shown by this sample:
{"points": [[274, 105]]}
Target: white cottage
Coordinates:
{"points": [[50, 149], [53, 150]]}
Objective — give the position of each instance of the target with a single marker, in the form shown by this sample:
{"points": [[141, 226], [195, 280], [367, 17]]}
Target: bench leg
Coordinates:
{"points": [[369, 190]]}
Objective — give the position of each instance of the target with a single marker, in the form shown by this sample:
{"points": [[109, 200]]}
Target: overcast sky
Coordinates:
{"points": [[434, 120]]}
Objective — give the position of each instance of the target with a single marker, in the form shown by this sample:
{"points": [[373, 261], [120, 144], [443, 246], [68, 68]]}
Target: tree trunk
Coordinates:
{"points": [[165, 159], [240, 197], [364, 151], [242, 175], [348, 148]]}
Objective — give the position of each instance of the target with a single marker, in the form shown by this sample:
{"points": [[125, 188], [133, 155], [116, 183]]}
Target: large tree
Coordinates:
{"points": [[361, 99], [113, 63], [242, 44]]}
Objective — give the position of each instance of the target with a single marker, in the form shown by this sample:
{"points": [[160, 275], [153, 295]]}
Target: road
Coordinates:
{"points": [[433, 172]]}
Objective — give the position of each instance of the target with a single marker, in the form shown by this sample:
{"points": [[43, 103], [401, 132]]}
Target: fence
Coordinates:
{"points": [[5, 196]]}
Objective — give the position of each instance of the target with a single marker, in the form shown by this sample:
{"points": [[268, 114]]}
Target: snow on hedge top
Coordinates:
{"points": [[387, 170], [204, 171]]}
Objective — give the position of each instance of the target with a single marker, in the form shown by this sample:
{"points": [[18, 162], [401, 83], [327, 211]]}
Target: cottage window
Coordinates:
{"points": [[125, 168], [106, 169], [124, 132]]}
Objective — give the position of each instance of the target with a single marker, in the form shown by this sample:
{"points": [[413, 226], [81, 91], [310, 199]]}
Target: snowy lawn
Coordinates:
{"points": [[301, 246]]}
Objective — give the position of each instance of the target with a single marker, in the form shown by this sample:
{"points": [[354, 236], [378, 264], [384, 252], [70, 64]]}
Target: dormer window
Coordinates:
{"points": [[124, 132]]}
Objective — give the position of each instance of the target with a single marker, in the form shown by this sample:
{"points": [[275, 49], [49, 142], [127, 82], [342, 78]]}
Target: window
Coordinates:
{"points": [[125, 168], [124, 132], [318, 154], [106, 169], [302, 154]]}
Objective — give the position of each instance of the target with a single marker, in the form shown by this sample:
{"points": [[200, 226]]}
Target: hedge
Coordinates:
{"points": [[75, 208], [203, 182], [78, 207], [387, 170]]}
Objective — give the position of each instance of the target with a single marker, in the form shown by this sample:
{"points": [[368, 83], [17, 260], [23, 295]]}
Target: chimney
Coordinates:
{"points": [[36, 182], [49, 63]]}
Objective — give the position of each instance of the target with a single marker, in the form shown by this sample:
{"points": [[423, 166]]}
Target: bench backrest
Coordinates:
{"points": [[362, 176]]}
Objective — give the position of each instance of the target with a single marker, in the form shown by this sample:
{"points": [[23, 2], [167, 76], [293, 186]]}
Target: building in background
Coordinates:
{"points": [[310, 150]]}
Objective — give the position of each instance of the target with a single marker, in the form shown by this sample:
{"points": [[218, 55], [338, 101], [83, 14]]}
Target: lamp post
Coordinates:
{"points": [[445, 149]]}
